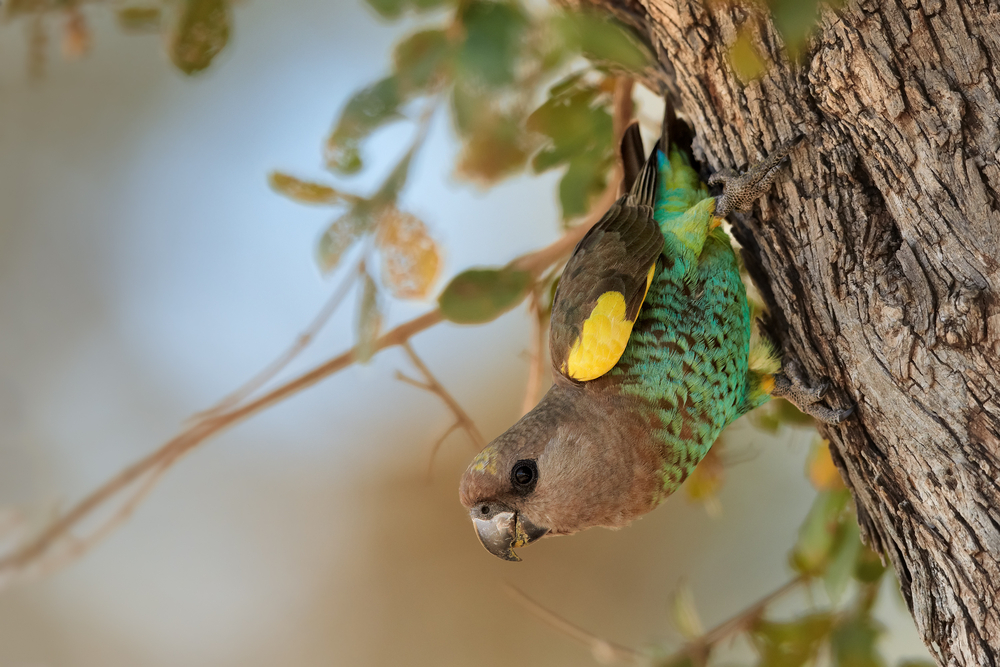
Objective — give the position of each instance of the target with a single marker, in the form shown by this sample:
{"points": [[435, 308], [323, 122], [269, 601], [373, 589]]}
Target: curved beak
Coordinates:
{"points": [[505, 531]]}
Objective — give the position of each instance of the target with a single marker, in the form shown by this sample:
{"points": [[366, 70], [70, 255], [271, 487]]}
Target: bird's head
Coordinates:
{"points": [[567, 465]]}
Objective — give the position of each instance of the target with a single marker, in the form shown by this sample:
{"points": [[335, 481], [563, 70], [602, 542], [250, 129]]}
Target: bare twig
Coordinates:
{"points": [[697, 650], [431, 384], [42, 553], [279, 364], [604, 651], [536, 364]]}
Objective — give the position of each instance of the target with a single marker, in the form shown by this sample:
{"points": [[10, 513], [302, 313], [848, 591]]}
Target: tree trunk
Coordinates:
{"points": [[878, 253]]}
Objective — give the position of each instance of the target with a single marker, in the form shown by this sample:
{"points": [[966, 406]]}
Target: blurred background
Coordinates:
{"points": [[147, 269]]}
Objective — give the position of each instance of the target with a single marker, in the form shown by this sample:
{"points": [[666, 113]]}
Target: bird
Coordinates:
{"points": [[654, 352]]}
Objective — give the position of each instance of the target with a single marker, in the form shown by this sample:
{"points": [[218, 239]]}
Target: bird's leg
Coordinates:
{"points": [[740, 192], [790, 386]]}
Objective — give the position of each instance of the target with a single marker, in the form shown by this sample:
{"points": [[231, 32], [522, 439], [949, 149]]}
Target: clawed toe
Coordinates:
{"points": [[792, 388]]}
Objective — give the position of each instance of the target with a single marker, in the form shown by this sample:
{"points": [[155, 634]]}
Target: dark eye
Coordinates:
{"points": [[484, 510], [524, 475]]}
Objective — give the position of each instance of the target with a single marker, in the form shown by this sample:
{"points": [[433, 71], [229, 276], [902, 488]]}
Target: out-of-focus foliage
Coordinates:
{"points": [[476, 296], [842, 632]]}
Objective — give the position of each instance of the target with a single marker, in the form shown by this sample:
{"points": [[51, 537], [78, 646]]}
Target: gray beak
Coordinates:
{"points": [[504, 531]]}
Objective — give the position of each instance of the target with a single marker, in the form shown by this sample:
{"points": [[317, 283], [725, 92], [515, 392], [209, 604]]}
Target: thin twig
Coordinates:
{"points": [[536, 363], [437, 445], [432, 385], [279, 364], [699, 648], [30, 558], [604, 651]]}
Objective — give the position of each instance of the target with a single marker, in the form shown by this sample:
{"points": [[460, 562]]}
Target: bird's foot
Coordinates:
{"points": [[790, 386], [741, 191]]}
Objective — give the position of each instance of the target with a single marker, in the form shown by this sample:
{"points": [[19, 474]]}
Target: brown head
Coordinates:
{"points": [[577, 460]]}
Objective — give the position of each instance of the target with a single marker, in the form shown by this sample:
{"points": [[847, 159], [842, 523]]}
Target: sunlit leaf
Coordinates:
{"points": [[792, 643], [393, 9], [367, 110], [704, 483], [394, 182], [140, 18], [369, 319], [817, 534], [853, 642], [868, 568], [684, 614], [339, 237], [200, 34], [777, 413], [795, 20], [476, 296], [745, 59], [304, 191], [410, 258], [600, 37], [820, 468], [420, 59], [574, 123], [585, 179], [494, 32], [76, 36], [842, 559], [493, 150]]}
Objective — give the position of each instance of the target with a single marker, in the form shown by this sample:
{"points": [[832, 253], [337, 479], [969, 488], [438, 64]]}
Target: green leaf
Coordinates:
{"points": [[393, 9], [201, 33], [421, 59], [795, 20], [493, 150], [853, 643], [817, 534], [494, 32], [585, 178], [389, 9], [369, 319], [868, 568], [139, 18], [600, 37], [394, 182], [842, 558], [476, 296], [304, 191], [743, 56], [340, 236], [792, 643], [367, 110], [574, 124]]}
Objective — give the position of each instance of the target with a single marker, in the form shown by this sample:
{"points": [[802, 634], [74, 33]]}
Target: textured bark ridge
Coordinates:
{"points": [[879, 253]]}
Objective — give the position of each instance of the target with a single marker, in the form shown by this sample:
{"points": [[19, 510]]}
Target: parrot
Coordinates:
{"points": [[653, 353]]}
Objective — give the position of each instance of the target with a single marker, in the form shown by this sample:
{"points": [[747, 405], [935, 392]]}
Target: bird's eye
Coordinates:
{"points": [[524, 475], [485, 509]]}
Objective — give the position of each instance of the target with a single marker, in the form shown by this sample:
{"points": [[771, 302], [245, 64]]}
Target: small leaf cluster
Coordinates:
{"points": [[194, 31], [828, 551], [488, 62]]}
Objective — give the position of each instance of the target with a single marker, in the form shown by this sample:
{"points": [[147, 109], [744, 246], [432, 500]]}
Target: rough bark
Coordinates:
{"points": [[878, 252]]}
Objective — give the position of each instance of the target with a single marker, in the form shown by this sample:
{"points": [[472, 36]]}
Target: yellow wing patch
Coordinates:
{"points": [[604, 337]]}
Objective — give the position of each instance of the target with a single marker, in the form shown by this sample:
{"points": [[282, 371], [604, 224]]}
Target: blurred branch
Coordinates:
{"points": [[699, 649], [431, 384], [536, 364], [301, 343], [56, 545], [604, 651]]}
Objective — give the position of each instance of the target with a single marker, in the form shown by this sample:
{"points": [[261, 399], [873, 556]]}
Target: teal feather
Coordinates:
{"points": [[686, 362]]}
